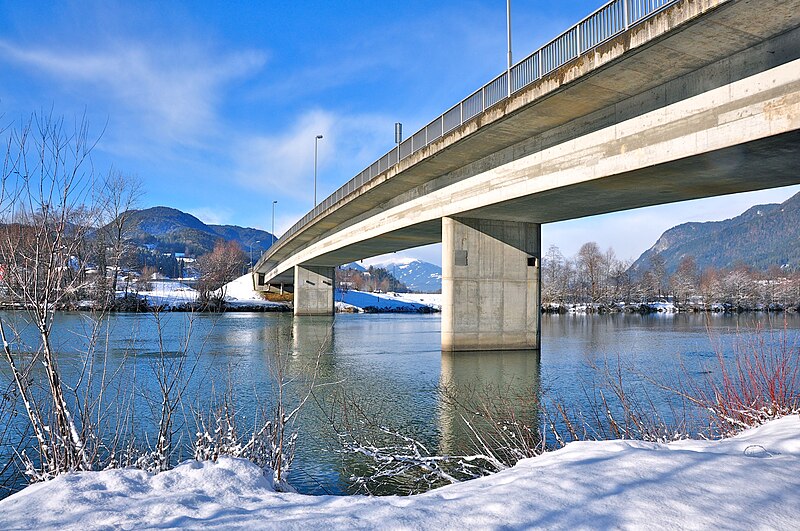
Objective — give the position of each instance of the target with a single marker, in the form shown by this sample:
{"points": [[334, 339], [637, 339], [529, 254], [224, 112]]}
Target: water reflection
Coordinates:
{"points": [[392, 364], [312, 334], [507, 381]]}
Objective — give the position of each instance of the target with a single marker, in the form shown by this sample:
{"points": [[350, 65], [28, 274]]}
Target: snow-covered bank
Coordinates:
{"points": [[353, 300], [238, 295], [751, 481], [169, 293]]}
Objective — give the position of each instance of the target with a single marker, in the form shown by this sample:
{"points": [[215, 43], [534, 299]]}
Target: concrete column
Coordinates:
{"points": [[313, 290], [491, 289]]}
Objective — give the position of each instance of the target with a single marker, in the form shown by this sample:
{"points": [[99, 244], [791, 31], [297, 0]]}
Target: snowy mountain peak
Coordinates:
{"points": [[419, 276], [390, 261]]}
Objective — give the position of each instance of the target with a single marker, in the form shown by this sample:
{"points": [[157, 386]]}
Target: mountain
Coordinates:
{"points": [[355, 266], [170, 230], [761, 237], [419, 276]]}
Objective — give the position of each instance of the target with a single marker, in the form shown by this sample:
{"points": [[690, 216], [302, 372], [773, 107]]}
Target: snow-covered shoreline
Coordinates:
{"points": [[360, 301], [751, 481], [240, 295]]}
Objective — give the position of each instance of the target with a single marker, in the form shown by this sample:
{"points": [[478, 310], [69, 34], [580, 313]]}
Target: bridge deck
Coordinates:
{"points": [[686, 50]]}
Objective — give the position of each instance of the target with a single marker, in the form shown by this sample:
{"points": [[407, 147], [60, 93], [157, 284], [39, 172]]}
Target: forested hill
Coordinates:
{"points": [[761, 237], [170, 230]]}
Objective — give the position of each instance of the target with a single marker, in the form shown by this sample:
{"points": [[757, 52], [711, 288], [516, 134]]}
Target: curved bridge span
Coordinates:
{"points": [[694, 99]]}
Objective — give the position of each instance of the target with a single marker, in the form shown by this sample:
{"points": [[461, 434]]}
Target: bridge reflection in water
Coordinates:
{"points": [[505, 382]]}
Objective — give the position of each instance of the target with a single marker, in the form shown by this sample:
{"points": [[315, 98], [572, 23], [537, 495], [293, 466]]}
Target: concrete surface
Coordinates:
{"points": [[490, 285], [703, 99], [313, 290]]}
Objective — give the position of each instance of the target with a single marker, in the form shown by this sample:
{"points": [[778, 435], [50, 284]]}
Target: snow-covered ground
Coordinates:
{"points": [[169, 293], [172, 293], [391, 302], [240, 292], [751, 481]]}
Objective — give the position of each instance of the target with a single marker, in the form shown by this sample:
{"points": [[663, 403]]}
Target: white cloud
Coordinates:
{"points": [[174, 90], [284, 163], [212, 215]]}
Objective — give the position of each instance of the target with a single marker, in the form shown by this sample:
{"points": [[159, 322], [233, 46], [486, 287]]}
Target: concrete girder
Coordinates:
{"points": [[690, 47]]}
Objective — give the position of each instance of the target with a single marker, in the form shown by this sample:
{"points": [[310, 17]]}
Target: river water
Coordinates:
{"points": [[390, 366]]}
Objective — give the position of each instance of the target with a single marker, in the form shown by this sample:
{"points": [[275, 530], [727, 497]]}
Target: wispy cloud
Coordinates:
{"points": [[212, 215], [285, 162], [175, 91]]}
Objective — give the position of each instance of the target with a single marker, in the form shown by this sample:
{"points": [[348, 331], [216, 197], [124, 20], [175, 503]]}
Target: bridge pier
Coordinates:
{"points": [[491, 289], [313, 290]]}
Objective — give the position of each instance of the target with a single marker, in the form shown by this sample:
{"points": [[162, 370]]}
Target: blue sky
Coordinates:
{"points": [[215, 105]]}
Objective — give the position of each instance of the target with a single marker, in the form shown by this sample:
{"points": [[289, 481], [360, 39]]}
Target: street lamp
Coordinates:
{"points": [[251, 251], [316, 142], [273, 223], [508, 32]]}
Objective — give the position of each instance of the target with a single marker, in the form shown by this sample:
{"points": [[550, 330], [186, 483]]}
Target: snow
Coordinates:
{"points": [[173, 293], [389, 261], [406, 302], [169, 293], [750, 481], [433, 300], [240, 292]]}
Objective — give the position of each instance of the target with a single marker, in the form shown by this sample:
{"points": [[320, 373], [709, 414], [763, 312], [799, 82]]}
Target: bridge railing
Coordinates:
{"points": [[607, 22]]}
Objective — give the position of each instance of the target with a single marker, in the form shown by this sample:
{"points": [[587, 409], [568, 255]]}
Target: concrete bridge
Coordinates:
{"points": [[645, 102]]}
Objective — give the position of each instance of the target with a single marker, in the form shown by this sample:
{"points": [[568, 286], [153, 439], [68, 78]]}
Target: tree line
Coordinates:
{"points": [[65, 230], [374, 279], [601, 279]]}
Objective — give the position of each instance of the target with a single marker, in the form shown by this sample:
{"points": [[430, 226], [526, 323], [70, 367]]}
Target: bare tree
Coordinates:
{"points": [[590, 265], [684, 282], [46, 185], [119, 196], [710, 288], [621, 280], [658, 267], [553, 266], [738, 288], [219, 267]]}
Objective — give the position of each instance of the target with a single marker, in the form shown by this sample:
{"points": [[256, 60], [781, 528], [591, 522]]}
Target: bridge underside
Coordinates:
{"points": [[720, 124], [766, 163]]}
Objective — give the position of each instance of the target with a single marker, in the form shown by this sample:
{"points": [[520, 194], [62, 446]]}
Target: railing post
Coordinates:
{"points": [[578, 39], [625, 13], [539, 58]]}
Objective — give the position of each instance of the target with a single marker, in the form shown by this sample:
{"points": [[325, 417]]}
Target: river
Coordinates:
{"points": [[389, 365]]}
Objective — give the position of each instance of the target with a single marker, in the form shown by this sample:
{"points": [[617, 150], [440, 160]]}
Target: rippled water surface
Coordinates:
{"points": [[390, 364]]}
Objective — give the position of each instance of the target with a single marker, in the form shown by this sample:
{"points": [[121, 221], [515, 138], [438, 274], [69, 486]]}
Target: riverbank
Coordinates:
{"points": [[748, 482], [661, 307]]}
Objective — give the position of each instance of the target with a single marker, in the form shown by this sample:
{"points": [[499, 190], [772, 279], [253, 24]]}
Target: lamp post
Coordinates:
{"points": [[508, 31], [273, 223], [316, 142], [251, 251]]}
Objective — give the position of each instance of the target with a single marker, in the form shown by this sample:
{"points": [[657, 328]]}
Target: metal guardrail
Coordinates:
{"points": [[607, 22]]}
